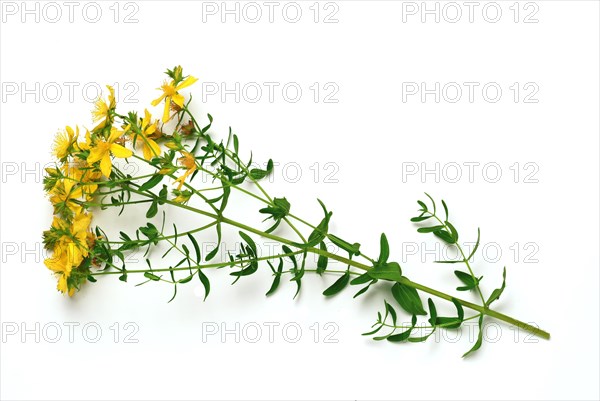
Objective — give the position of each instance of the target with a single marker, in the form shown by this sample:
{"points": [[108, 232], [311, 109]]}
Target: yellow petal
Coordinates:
{"points": [[187, 82], [114, 135], [111, 97], [147, 118], [88, 141], [166, 116], [150, 129], [120, 151], [97, 153], [75, 254], [62, 284], [156, 101], [106, 165], [81, 222], [178, 99], [56, 263], [150, 149], [155, 147]]}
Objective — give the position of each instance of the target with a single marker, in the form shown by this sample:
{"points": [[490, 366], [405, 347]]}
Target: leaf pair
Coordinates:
{"points": [[279, 209]]}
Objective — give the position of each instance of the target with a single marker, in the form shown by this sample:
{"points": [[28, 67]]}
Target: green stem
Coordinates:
{"points": [[525, 326], [195, 230], [464, 259], [426, 327], [204, 266]]}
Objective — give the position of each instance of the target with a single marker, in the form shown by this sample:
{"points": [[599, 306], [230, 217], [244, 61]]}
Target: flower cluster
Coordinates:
{"points": [[84, 164]]}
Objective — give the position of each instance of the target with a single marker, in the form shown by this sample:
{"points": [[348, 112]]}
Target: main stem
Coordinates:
{"points": [[481, 309]]}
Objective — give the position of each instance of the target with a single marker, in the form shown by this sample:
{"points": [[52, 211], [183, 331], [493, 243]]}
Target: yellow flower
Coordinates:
{"points": [[65, 194], [171, 94], [101, 112], [63, 142], [102, 150], [63, 287], [83, 173], [88, 141], [74, 242], [149, 147], [189, 162], [182, 196], [71, 248], [59, 263]]}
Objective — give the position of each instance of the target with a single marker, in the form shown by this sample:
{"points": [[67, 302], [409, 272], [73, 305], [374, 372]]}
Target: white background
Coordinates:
{"points": [[368, 134]]}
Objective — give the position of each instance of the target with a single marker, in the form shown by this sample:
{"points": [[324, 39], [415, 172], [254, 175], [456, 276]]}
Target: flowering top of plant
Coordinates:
{"points": [[177, 148]]}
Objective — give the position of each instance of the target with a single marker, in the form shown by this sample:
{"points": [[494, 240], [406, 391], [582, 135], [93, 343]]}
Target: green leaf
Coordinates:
{"points": [[404, 335], [432, 312], [162, 195], [445, 209], [391, 311], [186, 280], [151, 276], [320, 232], [339, 285], [453, 231], [498, 291], [476, 245], [429, 229], [196, 247], [257, 173], [277, 278], [279, 209], [467, 279], [362, 279], [420, 339], [236, 144], [152, 182], [214, 252], [390, 271], [151, 232], [432, 202], [246, 271], [408, 298], [322, 261], [384, 252], [444, 236], [249, 241], [205, 283], [452, 322], [423, 205], [374, 331], [153, 209], [420, 218], [352, 249], [400, 337], [479, 341], [364, 289]]}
